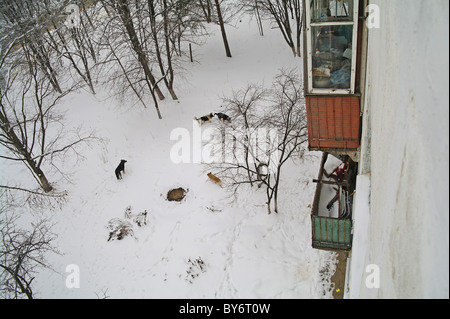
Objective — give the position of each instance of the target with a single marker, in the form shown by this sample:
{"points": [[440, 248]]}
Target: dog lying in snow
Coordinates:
{"points": [[204, 119], [223, 117], [215, 179], [120, 169]]}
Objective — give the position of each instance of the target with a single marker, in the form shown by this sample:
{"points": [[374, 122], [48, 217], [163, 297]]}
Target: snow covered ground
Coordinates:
{"points": [[210, 245]]}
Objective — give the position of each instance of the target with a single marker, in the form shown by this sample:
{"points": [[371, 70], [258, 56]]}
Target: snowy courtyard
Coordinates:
{"points": [[212, 244], [122, 175]]}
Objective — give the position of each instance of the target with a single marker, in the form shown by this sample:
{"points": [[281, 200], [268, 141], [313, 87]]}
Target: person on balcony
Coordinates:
{"points": [[338, 173]]}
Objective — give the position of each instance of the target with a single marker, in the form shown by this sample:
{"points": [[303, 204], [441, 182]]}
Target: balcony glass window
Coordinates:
{"points": [[331, 10], [331, 34], [332, 56]]}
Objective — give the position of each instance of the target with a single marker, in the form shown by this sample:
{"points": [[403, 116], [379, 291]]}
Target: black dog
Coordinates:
{"points": [[223, 117], [120, 168]]}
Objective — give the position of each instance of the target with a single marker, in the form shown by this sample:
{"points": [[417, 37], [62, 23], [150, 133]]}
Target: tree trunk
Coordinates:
{"points": [[126, 76], [299, 20], [68, 54], [269, 194], [25, 155], [127, 21], [287, 26], [275, 190], [222, 28], [281, 16], [169, 55], [258, 19], [44, 63], [87, 76], [153, 27], [206, 10], [156, 105], [42, 178]]}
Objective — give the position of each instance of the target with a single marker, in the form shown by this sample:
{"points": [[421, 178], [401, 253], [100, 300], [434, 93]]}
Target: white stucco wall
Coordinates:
{"points": [[408, 141]]}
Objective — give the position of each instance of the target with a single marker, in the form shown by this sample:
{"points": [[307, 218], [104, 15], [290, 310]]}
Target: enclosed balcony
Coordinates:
{"points": [[331, 217], [332, 71]]}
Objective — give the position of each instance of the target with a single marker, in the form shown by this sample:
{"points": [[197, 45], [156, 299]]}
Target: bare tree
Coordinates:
{"points": [[120, 70], [206, 7], [298, 13], [167, 34], [283, 13], [222, 29], [253, 7], [21, 253], [23, 23], [48, 38], [151, 32], [72, 41], [35, 198], [126, 63], [242, 108], [268, 128], [155, 35], [27, 116], [289, 117], [122, 7], [167, 75], [155, 31]]}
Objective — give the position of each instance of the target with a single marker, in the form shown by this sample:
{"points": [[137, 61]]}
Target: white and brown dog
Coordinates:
{"points": [[204, 119]]}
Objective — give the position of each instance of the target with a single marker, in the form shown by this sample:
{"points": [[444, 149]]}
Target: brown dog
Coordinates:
{"points": [[215, 179]]}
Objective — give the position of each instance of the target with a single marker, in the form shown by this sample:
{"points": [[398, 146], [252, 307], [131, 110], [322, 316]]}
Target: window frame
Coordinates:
{"points": [[309, 50]]}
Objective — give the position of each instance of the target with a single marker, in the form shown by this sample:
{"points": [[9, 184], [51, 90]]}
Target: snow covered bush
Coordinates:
{"points": [[196, 267], [119, 229], [139, 219]]}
